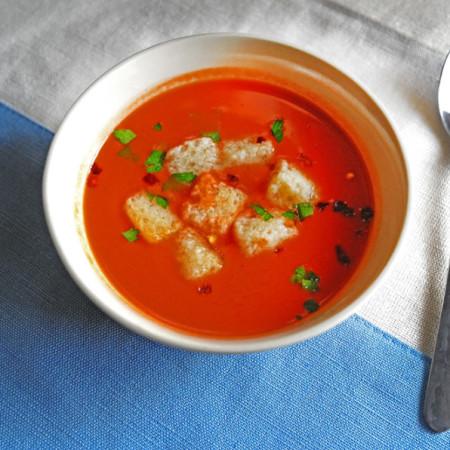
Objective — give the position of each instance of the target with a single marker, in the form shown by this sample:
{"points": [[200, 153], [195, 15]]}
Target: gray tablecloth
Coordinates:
{"points": [[51, 50]]}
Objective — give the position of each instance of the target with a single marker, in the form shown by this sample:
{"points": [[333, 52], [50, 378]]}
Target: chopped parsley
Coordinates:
{"points": [[265, 215], [162, 201], [124, 136], [306, 279], [311, 305], [179, 181], [289, 215], [131, 235], [127, 153], [277, 129], [214, 135], [155, 161], [304, 210], [311, 282], [184, 177], [299, 274], [159, 200], [157, 126]]}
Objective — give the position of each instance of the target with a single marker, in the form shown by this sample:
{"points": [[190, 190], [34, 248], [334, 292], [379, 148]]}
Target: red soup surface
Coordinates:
{"points": [[250, 295]]}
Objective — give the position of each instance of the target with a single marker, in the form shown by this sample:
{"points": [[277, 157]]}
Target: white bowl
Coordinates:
{"points": [[109, 99]]}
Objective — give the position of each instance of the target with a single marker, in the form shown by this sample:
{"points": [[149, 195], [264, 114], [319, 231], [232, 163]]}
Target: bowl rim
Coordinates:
{"points": [[242, 345]]}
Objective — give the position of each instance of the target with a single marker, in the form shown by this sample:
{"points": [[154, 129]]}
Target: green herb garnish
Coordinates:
{"points": [[157, 126], [265, 215], [311, 282], [124, 136], [179, 181], [131, 235], [214, 135], [277, 129], [306, 279], [299, 274], [311, 305], [304, 210], [184, 177], [127, 153], [162, 201], [289, 215], [155, 161], [159, 200]]}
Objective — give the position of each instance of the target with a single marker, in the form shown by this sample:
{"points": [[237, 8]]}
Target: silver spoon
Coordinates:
{"points": [[437, 396]]}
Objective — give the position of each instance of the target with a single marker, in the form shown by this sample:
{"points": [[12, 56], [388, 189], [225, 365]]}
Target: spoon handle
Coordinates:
{"points": [[437, 396]]}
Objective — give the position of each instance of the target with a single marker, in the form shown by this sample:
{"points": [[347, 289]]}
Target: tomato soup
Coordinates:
{"points": [[228, 207]]}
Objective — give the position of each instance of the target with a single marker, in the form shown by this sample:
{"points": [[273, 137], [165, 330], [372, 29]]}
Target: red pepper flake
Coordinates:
{"points": [[92, 180], [321, 206], [204, 289], [360, 232], [341, 207], [342, 256], [366, 214], [278, 250], [96, 169], [305, 160], [150, 179], [271, 166], [260, 139], [232, 178]]}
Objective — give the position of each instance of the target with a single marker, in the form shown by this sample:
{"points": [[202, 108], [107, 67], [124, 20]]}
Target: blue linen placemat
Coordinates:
{"points": [[72, 378]]}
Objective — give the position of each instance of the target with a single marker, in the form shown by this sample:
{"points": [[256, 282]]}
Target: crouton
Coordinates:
{"points": [[255, 235], [196, 256], [196, 155], [246, 151], [153, 221], [215, 205], [289, 186]]}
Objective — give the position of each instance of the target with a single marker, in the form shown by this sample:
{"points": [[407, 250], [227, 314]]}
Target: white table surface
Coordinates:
{"points": [[51, 50]]}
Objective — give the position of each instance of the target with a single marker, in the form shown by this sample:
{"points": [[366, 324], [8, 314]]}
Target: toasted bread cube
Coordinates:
{"points": [[255, 235], [289, 186], [214, 207], [196, 155], [246, 151], [196, 257], [153, 221]]}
